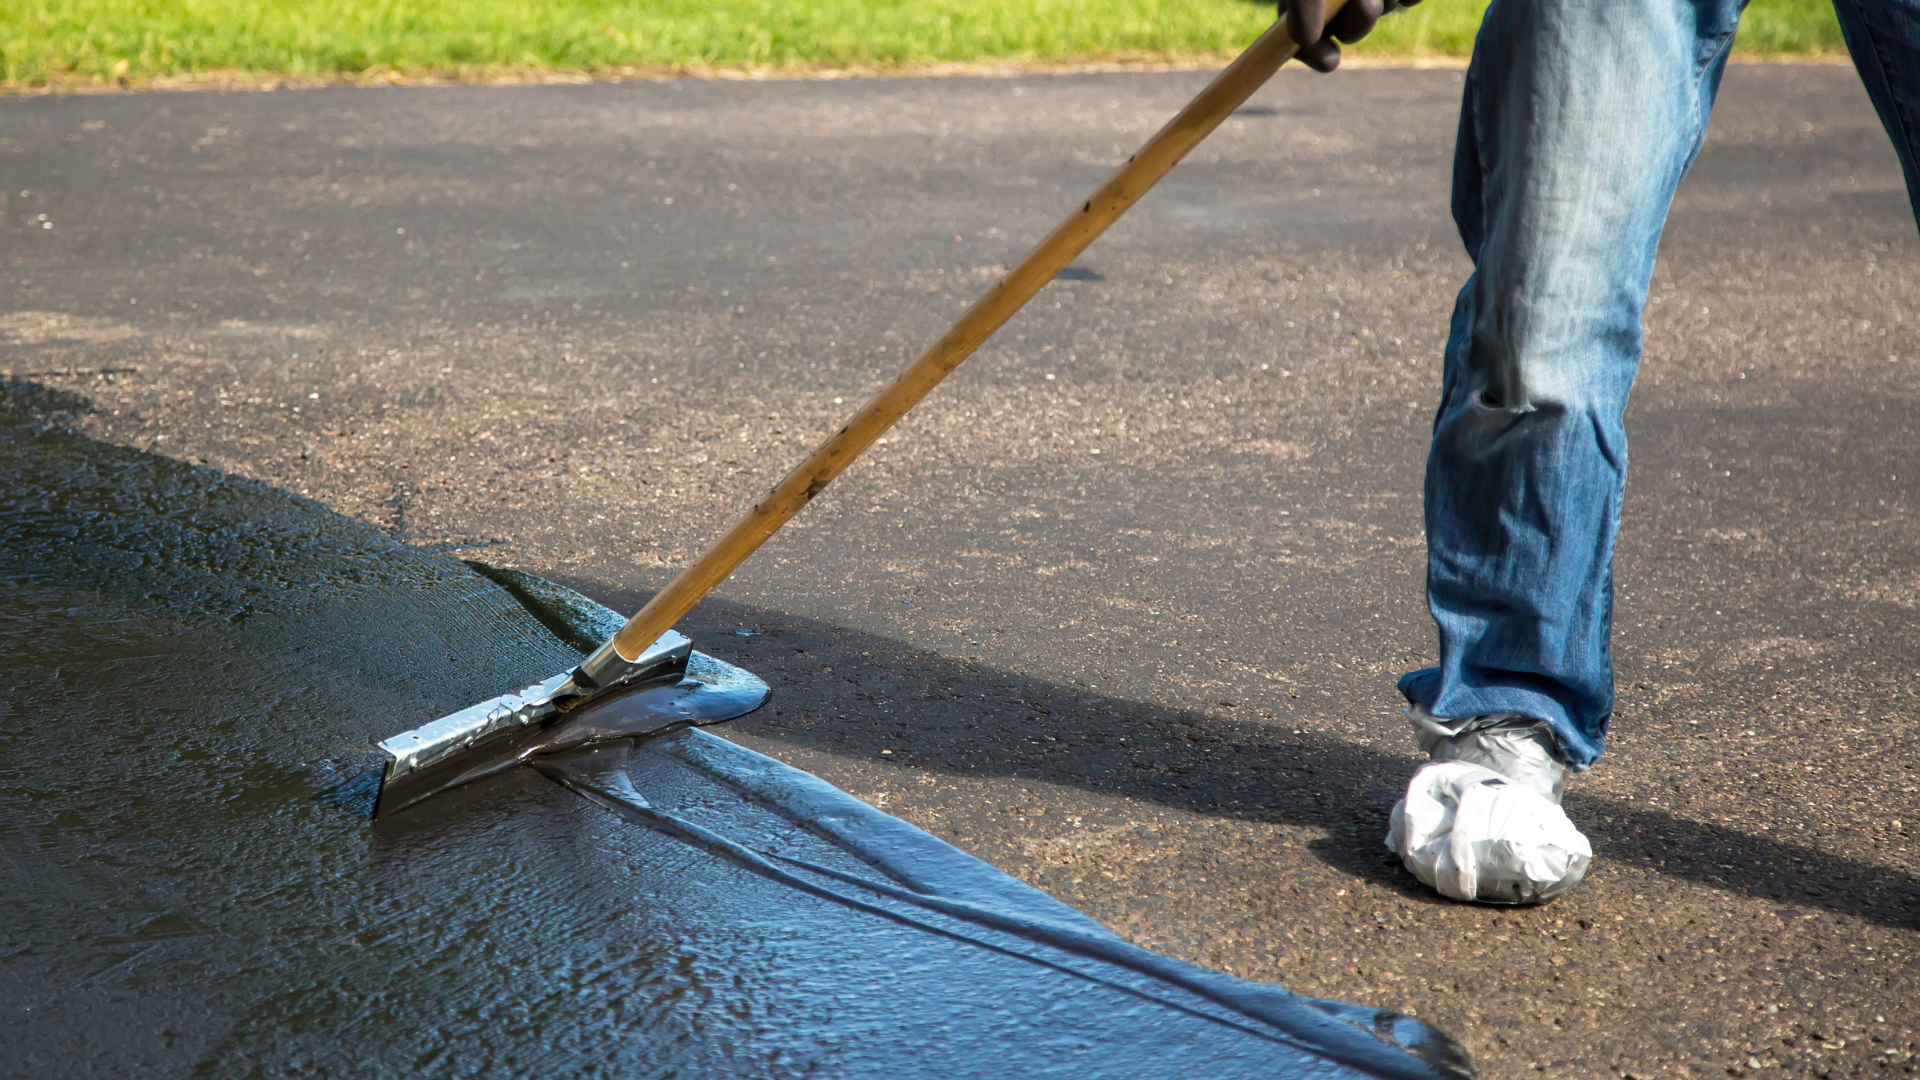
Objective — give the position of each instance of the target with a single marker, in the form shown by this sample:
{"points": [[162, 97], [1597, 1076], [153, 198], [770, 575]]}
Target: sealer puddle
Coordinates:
{"points": [[183, 650]]}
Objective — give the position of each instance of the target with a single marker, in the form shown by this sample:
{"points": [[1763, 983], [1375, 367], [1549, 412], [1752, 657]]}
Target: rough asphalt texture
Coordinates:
{"points": [[1121, 607]]}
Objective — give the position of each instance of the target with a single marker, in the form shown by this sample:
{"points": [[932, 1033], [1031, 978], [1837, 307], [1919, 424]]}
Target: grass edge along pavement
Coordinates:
{"points": [[75, 44]]}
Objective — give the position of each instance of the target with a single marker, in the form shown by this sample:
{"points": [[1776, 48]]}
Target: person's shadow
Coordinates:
{"points": [[945, 714]]}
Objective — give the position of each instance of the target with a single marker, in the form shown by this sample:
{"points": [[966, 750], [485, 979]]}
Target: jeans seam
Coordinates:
{"points": [[1475, 88], [1872, 62], [1899, 107], [1883, 64], [1700, 86], [1724, 43]]}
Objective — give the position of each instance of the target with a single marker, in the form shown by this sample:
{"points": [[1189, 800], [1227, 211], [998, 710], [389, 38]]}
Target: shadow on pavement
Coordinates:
{"points": [[852, 694], [848, 693]]}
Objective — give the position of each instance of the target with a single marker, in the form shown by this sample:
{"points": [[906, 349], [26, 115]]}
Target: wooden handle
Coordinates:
{"points": [[1228, 91]]}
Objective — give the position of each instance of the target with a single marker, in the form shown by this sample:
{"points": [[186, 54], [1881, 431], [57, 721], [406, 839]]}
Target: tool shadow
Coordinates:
{"points": [[847, 693]]}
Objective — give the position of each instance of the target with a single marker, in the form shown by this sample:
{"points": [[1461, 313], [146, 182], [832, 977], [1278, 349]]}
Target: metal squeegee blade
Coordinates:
{"points": [[483, 739]]}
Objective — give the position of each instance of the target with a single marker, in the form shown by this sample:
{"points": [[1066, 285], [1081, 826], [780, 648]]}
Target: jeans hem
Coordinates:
{"points": [[1576, 750]]}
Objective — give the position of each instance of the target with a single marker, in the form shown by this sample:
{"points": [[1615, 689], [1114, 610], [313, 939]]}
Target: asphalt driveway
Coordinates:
{"points": [[1121, 607]]}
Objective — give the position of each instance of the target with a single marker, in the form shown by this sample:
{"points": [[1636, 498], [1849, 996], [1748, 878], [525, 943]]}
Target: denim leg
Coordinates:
{"points": [[1580, 118], [1884, 38]]}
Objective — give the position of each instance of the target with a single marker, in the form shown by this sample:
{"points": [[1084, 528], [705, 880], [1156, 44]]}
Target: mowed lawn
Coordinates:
{"points": [[69, 41]]}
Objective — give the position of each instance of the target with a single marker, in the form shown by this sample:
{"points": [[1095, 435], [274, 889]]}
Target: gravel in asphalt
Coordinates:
{"points": [[1120, 608]]}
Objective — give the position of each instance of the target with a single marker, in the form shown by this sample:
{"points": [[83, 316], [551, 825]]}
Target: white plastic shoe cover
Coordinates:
{"points": [[1474, 835], [1482, 820]]}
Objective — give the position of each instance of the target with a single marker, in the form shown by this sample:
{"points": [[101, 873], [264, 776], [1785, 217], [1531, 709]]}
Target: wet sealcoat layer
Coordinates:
{"points": [[186, 652]]}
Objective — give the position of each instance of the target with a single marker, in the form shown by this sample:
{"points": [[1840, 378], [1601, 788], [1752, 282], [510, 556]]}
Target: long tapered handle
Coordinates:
{"points": [[1228, 91]]}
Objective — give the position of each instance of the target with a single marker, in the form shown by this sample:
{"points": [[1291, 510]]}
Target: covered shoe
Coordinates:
{"points": [[1482, 819]]}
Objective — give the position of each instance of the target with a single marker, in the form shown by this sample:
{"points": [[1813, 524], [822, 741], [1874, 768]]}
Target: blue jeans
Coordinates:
{"points": [[1580, 118]]}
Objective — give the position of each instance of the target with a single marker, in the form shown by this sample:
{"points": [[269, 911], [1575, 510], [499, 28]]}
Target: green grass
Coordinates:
{"points": [[1789, 26], [56, 41], [1769, 28]]}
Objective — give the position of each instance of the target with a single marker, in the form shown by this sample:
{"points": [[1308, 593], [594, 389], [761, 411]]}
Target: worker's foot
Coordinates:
{"points": [[1482, 819]]}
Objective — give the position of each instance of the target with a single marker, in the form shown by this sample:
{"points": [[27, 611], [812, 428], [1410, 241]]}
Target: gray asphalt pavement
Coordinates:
{"points": [[1121, 607]]}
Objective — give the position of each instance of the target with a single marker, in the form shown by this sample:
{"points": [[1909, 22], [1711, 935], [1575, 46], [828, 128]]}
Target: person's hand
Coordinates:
{"points": [[1319, 39]]}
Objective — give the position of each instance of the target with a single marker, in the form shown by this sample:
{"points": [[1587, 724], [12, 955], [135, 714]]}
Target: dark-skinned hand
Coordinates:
{"points": [[1320, 39]]}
